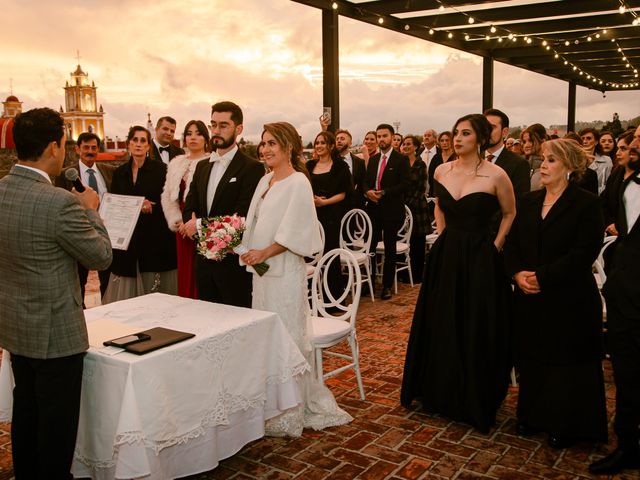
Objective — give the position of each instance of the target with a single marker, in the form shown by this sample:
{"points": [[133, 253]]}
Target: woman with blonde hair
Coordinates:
{"points": [[282, 229], [179, 175], [555, 238]]}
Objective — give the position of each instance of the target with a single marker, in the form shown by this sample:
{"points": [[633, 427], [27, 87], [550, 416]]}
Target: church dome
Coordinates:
{"points": [[6, 133], [12, 98]]}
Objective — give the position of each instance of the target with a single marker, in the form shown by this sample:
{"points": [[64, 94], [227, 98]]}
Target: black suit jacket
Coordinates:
{"points": [[435, 162], [395, 181], [358, 173], [611, 197], [517, 169], [154, 153], [622, 285], [234, 191], [563, 323]]}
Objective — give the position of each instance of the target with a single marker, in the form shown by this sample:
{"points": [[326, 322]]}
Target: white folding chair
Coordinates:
{"points": [[355, 236], [403, 247], [329, 329], [313, 261]]}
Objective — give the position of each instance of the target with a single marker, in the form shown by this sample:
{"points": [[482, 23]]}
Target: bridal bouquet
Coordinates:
{"points": [[223, 234]]}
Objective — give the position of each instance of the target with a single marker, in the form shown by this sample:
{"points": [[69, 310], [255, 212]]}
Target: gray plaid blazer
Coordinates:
{"points": [[44, 232]]}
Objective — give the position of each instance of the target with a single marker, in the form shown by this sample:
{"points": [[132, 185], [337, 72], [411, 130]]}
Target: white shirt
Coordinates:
{"points": [[220, 164], [426, 156], [631, 199], [349, 161], [495, 154], [163, 155], [37, 170], [84, 176]]}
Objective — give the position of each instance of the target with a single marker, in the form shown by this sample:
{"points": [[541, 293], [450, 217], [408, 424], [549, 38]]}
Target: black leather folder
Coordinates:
{"points": [[160, 337]]}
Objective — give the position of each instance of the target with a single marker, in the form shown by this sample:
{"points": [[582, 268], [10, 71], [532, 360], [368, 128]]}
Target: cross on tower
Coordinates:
{"points": [[78, 56]]}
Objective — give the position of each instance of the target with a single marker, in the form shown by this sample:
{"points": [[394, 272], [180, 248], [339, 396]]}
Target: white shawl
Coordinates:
{"points": [[178, 168], [286, 216]]}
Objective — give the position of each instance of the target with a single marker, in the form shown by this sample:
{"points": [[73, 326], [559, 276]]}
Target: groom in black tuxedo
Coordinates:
{"points": [[222, 185]]}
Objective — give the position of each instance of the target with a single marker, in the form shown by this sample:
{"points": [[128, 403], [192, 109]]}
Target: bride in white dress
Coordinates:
{"points": [[281, 230]]}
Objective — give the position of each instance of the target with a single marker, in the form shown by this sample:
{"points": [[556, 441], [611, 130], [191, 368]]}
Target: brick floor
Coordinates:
{"points": [[387, 441]]}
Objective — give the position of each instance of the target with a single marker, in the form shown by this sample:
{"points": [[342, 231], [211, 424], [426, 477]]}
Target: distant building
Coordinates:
{"points": [[11, 107], [82, 113]]}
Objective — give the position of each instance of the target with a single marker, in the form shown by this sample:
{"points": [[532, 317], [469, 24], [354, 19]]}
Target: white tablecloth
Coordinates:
{"points": [[179, 410]]}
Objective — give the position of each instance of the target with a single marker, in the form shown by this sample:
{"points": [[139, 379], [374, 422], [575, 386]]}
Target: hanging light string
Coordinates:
{"points": [[502, 35]]}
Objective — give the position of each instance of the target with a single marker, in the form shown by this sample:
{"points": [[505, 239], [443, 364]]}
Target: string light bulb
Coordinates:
{"points": [[493, 29], [381, 20], [441, 8], [471, 20], [334, 5], [431, 31], [450, 35]]}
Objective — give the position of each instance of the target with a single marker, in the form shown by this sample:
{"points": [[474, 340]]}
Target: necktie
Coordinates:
{"points": [[163, 149], [383, 164], [93, 183], [490, 157]]}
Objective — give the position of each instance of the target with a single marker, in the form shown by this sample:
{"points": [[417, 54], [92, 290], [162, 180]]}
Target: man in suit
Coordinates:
{"points": [[385, 183], [44, 232], [222, 185], [96, 175], [356, 167], [163, 148], [622, 294], [516, 167], [432, 158]]}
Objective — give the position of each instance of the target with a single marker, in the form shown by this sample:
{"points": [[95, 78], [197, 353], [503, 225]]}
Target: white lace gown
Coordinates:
{"points": [[285, 214]]}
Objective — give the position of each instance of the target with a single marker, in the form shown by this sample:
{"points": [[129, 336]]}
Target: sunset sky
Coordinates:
{"points": [[177, 58]]}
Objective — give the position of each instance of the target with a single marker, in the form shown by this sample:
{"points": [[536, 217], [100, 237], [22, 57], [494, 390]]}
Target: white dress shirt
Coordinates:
{"points": [[495, 154], [220, 164], [349, 161], [426, 156], [163, 155], [84, 176], [631, 199]]}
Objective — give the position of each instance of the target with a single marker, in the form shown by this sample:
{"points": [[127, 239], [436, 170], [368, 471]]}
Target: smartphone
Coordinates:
{"points": [[127, 340], [326, 115]]}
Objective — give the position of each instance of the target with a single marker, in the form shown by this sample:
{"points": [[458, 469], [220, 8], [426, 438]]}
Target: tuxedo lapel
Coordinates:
{"points": [[232, 170], [203, 185]]}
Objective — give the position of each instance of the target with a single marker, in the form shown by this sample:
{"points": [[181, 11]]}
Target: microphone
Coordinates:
{"points": [[72, 175]]}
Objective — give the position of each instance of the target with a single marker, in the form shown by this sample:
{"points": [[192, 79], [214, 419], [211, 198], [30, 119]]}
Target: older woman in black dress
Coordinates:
{"points": [[553, 243], [150, 262], [417, 203], [331, 182]]}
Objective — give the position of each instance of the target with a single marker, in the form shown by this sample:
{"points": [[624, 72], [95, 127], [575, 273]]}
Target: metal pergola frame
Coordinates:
{"points": [[591, 43]]}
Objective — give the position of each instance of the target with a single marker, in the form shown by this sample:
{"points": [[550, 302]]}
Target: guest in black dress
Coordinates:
{"points": [[150, 262], [554, 241], [458, 358], [331, 182], [417, 202]]}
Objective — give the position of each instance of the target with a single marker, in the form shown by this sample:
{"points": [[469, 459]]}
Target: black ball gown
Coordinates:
{"points": [[458, 360]]}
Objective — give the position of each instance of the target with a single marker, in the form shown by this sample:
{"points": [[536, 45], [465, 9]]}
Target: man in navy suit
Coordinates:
{"points": [[385, 183]]}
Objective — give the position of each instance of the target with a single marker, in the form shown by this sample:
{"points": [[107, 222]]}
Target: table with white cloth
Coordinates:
{"points": [[179, 410]]}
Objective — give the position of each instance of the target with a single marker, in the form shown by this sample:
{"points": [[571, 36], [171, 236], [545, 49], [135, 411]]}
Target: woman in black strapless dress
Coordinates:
{"points": [[458, 359]]}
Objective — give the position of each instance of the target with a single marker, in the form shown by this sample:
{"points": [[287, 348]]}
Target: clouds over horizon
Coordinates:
{"points": [[164, 58]]}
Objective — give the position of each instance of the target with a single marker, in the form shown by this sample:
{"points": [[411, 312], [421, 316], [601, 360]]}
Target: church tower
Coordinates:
{"points": [[82, 113]]}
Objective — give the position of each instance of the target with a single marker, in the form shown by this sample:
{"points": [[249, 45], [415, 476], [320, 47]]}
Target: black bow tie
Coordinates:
{"points": [[163, 149]]}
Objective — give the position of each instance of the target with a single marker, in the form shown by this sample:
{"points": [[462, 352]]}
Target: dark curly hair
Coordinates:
{"points": [[480, 126]]}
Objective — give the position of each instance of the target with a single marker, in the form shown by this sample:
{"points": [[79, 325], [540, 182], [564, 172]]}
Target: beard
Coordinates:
{"points": [[634, 160], [221, 142]]}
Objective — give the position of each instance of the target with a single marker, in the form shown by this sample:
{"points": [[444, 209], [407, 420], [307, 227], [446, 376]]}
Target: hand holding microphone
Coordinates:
{"points": [[88, 197]]}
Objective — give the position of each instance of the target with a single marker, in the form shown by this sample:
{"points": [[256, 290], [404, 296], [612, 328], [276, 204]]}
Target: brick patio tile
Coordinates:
{"points": [[324, 446], [424, 435], [284, 463], [312, 473], [420, 451], [386, 454], [516, 441], [482, 462], [401, 423], [240, 464], [378, 471], [346, 472], [414, 468], [546, 456], [447, 466], [453, 448], [277, 475], [261, 448], [242, 476], [543, 471], [392, 437], [484, 444], [572, 467], [504, 473], [455, 432], [374, 412], [317, 460], [295, 446], [222, 473], [359, 441], [369, 426], [514, 458], [468, 475], [355, 458]]}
